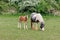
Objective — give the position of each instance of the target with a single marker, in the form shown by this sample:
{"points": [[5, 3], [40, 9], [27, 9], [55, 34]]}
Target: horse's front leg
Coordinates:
{"points": [[36, 27], [33, 26]]}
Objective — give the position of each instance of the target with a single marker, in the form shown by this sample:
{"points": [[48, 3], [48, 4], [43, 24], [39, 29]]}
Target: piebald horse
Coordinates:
{"points": [[23, 19], [35, 18]]}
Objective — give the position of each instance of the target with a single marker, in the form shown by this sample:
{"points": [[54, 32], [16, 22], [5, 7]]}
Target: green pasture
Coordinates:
{"points": [[10, 31]]}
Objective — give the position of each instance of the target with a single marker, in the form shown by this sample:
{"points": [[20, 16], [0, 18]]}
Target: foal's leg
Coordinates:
{"points": [[19, 25], [26, 25]]}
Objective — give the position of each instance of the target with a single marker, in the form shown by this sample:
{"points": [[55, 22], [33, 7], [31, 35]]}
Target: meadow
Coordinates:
{"points": [[10, 31]]}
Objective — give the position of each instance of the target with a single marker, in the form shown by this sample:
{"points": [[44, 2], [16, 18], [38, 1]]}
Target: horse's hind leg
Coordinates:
{"points": [[24, 25]]}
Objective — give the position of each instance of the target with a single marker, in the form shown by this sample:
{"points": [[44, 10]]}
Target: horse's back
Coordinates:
{"points": [[37, 16], [23, 18]]}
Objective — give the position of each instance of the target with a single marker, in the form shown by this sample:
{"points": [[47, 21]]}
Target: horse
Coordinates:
{"points": [[37, 18], [23, 19]]}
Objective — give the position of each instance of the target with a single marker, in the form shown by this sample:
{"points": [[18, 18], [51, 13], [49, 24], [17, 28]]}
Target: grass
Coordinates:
{"points": [[9, 30]]}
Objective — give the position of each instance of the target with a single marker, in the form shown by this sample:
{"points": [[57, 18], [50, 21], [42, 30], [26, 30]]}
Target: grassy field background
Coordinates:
{"points": [[9, 30]]}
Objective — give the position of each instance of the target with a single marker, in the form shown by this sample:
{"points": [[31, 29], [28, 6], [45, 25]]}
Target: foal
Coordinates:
{"points": [[23, 19], [35, 18]]}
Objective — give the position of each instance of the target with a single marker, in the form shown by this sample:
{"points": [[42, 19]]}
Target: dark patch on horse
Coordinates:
{"points": [[34, 20], [42, 25]]}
